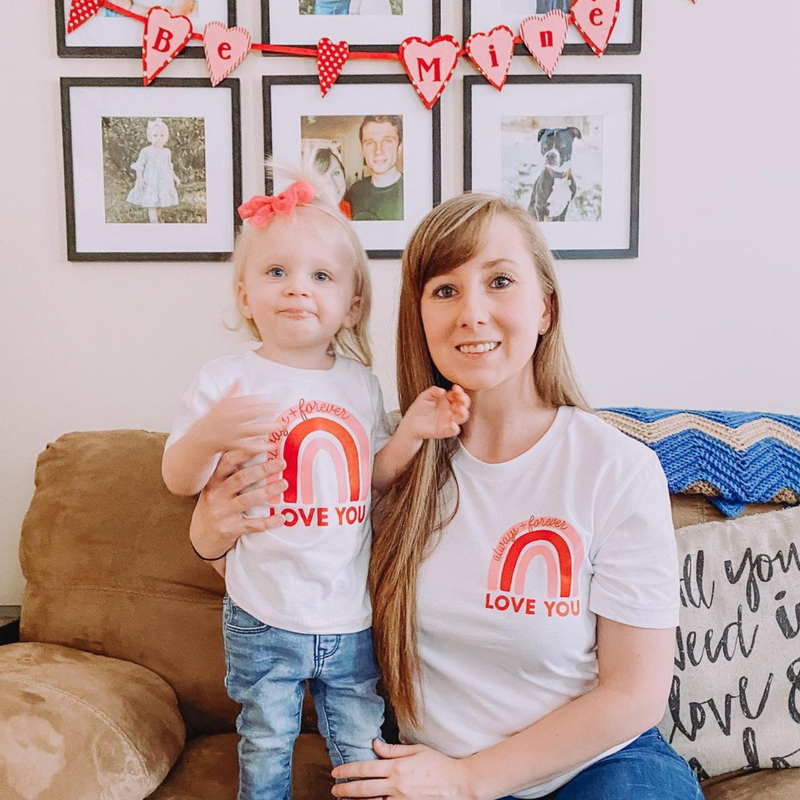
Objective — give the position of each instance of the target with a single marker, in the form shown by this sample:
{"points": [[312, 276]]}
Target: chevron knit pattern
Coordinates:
{"points": [[732, 457]]}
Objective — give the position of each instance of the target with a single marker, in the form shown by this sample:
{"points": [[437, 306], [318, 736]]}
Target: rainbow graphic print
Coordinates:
{"points": [[558, 546], [314, 430]]}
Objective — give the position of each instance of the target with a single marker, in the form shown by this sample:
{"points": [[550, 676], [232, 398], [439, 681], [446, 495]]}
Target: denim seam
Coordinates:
{"points": [[331, 735]]}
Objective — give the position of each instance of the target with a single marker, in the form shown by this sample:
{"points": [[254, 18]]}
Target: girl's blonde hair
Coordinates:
{"points": [[408, 517], [352, 342]]}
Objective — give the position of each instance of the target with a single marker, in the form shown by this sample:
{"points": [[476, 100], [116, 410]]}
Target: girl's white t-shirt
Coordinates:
{"points": [[309, 575], [577, 526]]}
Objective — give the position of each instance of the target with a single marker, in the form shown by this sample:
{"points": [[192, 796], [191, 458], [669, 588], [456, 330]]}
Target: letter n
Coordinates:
{"points": [[547, 38], [435, 65]]}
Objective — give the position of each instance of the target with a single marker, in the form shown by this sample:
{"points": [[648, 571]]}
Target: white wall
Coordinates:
{"points": [[706, 317]]}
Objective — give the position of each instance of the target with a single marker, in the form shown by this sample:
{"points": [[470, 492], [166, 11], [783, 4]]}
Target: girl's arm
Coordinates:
{"points": [[635, 673], [189, 463], [435, 414]]}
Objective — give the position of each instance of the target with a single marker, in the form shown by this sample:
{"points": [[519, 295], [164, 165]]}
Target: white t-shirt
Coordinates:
{"points": [[577, 526], [309, 575]]}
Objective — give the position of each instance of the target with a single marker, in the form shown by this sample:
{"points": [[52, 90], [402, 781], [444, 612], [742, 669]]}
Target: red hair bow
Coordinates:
{"points": [[260, 209]]}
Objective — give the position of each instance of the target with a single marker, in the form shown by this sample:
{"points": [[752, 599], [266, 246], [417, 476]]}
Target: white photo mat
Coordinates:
{"points": [[288, 26], [291, 102], [614, 102], [88, 106]]}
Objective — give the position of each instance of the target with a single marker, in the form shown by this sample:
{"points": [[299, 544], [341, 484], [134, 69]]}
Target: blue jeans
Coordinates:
{"points": [[266, 671], [332, 7], [647, 769]]}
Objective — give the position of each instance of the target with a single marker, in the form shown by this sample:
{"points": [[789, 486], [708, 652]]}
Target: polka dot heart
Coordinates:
{"points": [[331, 59], [80, 11]]}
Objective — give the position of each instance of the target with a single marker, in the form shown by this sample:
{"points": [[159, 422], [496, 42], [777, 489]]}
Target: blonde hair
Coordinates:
{"points": [[153, 124], [410, 516], [354, 341]]}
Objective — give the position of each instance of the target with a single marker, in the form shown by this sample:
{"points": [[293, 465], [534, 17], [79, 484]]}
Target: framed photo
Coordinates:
{"points": [[376, 25], [371, 140], [112, 35], [483, 15], [151, 173], [565, 149]]}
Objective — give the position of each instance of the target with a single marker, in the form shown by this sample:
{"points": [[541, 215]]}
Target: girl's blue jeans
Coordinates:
{"points": [[332, 7], [266, 671], [647, 769]]}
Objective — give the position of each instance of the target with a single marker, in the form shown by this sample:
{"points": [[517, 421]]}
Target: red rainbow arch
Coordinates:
{"points": [[521, 542]]}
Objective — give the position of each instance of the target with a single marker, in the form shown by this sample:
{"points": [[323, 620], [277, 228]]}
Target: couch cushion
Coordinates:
{"points": [[74, 724], [109, 569], [735, 699], [209, 770], [768, 785]]}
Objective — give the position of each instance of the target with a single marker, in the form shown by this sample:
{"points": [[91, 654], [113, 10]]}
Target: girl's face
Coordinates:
{"points": [[159, 136], [482, 320], [335, 175], [298, 285]]}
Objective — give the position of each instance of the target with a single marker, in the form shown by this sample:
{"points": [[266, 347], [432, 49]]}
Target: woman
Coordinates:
{"points": [[524, 575]]}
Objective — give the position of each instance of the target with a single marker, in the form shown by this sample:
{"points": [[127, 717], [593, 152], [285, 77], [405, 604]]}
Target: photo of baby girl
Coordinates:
{"points": [[142, 182], [351, 7], [186, 8]]}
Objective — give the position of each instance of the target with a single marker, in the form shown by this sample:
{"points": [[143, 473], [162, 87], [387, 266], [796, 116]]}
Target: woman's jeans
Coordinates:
{"points": [[647, 769], [332, 7], [266, 671]]}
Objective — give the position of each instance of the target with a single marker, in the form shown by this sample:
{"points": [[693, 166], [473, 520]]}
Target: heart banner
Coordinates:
{"points": [[429, 65], [491, 53], [545, 36], [80, 11], [164, 37], [595, 19], [331, 59], [225, 49]]}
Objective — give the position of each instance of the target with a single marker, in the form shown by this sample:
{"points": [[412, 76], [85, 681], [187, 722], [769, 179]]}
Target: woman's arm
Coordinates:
{"points": [[635, 672]]}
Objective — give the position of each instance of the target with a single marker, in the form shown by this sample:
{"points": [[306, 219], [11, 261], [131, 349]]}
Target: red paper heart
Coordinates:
{"points": [[225, 49], [164, 37], [595, 19], [331, 59], [491, 53], [429, 65], [80, 11], [545, 36]]}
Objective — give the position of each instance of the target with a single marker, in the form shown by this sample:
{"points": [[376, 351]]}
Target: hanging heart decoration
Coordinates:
{"points": [[331, 59], [80, 11], [545, 36], [429, 65], [596, 19], [164, 37], [225, 49], [491, 53]]}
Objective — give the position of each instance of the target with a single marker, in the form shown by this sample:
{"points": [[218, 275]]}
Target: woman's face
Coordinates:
{"points": [[335, 175], [482, 320]]}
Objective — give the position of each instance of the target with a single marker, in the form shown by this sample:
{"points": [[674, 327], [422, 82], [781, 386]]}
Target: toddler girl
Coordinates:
{"points": [[155, 179], [297, 607]]}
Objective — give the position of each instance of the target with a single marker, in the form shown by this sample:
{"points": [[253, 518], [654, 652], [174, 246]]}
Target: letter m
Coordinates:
{"points": [[435, 65]]}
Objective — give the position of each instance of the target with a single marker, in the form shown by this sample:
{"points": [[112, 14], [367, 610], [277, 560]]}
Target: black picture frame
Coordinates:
{"points": [[436, 29], [574, 49], [67, 84], [268, 81], [115, 51], [635, 81]]}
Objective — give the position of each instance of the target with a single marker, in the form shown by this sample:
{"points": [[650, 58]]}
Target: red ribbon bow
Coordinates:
{"points": [[260, 209]]}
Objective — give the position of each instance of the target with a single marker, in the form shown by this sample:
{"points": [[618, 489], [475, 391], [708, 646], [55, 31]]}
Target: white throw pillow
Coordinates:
{"points": [[735, 699]]}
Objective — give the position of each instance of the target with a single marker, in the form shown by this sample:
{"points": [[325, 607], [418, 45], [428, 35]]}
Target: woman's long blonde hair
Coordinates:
{"points": [[408, 518]]}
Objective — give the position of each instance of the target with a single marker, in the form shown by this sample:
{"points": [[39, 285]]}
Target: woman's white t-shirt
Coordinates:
{"points": [[310, 574], [577, 526]]}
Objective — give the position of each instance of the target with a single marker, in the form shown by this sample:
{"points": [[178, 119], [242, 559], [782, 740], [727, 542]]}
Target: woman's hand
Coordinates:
{"points": [[405, 772], [437, 414], [218, 521]]}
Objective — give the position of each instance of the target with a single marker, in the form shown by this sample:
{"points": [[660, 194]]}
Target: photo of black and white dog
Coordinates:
{"points": [[552, 166], [555, 186]]}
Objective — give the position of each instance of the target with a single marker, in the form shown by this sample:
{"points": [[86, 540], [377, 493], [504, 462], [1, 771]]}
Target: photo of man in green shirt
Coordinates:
{"points": [[379, 196]]}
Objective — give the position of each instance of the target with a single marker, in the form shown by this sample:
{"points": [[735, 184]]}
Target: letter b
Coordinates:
{"points": [[163, 37]]}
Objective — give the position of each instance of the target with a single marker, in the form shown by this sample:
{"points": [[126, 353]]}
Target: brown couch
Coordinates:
{"points": [[115, 691]]}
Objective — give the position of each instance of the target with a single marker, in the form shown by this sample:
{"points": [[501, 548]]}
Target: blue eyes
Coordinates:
{"points": [[446, 291], [279, 272], [275, 272], [321, 277]]}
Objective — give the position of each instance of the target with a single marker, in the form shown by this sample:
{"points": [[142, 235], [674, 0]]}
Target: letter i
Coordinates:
{"points": [[493, 53]]}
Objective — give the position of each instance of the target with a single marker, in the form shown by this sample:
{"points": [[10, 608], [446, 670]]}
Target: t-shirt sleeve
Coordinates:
{"points": [[194, 405], [382, 430], [635, 558]]}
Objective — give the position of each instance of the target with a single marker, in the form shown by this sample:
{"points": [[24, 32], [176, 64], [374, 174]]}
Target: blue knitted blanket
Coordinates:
{"points": [[732, 457]]}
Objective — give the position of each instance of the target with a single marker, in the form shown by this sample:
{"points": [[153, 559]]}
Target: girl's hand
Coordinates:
{"points": [[437, 414], [177, 179], [405, 772], [238, 423]]}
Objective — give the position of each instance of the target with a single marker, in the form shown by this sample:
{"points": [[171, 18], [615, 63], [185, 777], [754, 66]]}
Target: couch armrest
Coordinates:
{"points": [[76, 725]]}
